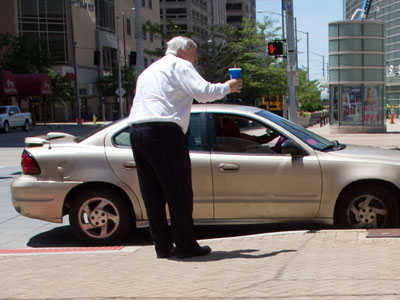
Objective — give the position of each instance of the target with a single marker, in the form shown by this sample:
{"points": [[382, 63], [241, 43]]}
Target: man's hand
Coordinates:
{"points": [[235, 85]]}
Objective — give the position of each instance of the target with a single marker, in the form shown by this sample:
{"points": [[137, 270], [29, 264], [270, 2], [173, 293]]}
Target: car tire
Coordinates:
{"points": [[6, 127], [26, 126], [371, 206], [100, 217]]}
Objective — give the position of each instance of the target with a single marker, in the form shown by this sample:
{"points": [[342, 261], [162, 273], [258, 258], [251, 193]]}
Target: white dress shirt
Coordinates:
{"points": [[166, 89]]}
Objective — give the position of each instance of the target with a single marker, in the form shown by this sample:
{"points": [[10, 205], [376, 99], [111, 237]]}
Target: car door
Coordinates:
{"points": [[13, 116], [120, 157], [252, 179]]}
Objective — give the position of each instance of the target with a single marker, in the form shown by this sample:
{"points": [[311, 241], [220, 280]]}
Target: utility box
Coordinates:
{"points": [[357, 76]]}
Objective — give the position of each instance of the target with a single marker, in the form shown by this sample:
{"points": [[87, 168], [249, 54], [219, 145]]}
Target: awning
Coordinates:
{"points": [[8, 84], [34, 85]]}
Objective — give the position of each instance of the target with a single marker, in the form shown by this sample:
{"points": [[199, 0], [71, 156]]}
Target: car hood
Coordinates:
{"points": [[371, 154]]}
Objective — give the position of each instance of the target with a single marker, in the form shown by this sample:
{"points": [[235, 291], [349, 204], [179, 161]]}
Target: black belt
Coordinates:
{"points": [[155, 124]]}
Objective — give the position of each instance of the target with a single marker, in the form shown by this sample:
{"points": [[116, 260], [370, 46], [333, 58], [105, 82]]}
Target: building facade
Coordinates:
{"points": [[389, 12], [195, 16], [100, 29], [198, 16], [238, 10]]}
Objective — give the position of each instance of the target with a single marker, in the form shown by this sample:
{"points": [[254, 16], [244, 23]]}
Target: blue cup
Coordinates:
{"points": [[236, 73]]}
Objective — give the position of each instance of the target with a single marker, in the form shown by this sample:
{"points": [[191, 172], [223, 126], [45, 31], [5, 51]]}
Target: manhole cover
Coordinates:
{"points": [[382, 233]]}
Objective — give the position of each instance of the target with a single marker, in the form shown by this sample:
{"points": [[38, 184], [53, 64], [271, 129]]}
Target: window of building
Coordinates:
{"points": [[144, 3], [176, 10], [233, 19], [150, 4], [128, 26], [45, 21], [109, 60], [234, 6], [173, 13], [105, 15]]}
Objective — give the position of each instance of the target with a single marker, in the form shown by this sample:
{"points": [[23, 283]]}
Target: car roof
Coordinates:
{"points": [[224, 108]]}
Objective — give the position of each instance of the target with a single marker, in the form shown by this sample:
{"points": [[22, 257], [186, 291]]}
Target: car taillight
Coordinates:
{"points": [[29, 164]]}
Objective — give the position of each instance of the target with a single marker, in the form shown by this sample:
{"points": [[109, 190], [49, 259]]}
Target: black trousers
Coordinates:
{"points": [[161, 153]]}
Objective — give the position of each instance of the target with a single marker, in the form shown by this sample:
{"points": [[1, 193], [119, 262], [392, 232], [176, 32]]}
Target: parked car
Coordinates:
{"points": [[12, 117], [248, 165]]}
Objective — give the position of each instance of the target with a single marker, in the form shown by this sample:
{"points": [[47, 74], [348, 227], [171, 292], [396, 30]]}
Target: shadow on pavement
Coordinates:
{"points": [[245, 253], [63, 237]]}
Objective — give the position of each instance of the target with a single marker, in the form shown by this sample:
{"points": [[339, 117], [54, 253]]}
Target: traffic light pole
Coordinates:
{"points": [[291, 55]]}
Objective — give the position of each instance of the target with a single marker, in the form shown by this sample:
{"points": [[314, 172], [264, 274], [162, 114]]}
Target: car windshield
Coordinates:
{"points": [[93, 131], [312, 139], [2, 110]]}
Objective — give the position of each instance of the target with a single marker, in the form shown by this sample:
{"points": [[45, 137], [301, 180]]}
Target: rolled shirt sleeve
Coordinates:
{"points": [[200, 89]]}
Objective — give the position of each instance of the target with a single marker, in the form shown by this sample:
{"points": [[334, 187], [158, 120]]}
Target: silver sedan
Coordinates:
{"points": [[248, 165]]}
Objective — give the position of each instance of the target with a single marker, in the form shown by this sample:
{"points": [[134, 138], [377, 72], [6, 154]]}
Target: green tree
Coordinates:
{"points": [[63, 89], [23, 54], [309, 96], [244, 47], [109, 84]]}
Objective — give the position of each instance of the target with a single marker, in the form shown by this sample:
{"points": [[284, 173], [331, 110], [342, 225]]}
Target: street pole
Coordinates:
{"points": [[308, 54], [78, 101], [138, 37], [123, 35], [121, 112], [323, 63], [291, 67]]}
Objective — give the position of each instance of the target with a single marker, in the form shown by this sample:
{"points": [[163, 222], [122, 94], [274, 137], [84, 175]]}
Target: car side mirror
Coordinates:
{"points": [[11, 113], [290, 147]]}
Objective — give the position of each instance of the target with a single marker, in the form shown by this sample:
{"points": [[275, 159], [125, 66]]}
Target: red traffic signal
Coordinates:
{"points": [[275, 48]]}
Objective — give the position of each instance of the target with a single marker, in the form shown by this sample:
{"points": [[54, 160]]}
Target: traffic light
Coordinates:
{"points": [[275, 48]]}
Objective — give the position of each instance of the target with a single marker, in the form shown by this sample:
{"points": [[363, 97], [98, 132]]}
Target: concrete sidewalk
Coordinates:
{"points": [[326, 264], [390, 139]]}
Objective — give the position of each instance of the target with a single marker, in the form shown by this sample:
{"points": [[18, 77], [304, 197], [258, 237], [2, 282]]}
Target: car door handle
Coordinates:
{"points": [[130, 164], [228, 167]]}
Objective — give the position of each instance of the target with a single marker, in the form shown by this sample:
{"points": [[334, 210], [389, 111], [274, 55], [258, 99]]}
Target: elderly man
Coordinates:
{"points": [[159, 121]]}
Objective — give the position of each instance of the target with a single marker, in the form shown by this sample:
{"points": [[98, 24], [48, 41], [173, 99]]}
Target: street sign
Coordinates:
{"points": [[120, 92], [295, 77]]}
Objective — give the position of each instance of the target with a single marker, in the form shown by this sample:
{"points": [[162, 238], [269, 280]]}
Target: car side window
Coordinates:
{"points": [[235, 134], [122, 138], [196, 139]]}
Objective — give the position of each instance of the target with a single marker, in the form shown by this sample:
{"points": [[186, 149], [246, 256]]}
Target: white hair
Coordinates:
{"points": [[178, 42]]}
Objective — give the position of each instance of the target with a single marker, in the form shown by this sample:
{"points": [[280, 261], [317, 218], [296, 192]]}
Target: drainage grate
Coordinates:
{"points": [[383, 233]]}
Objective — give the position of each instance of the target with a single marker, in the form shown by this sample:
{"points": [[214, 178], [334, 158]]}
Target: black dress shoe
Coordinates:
{"points": [[199, 251], [169, 253]]}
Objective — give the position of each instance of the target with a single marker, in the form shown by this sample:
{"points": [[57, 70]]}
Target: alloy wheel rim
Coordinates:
{"points": [[98, 218], [367, 211]]}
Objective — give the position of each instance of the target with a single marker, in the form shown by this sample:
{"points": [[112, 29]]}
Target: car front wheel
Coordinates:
{"points": [[368, 207], [100, 217]]}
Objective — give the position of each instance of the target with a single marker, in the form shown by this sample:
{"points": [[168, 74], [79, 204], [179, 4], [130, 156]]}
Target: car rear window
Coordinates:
{"points": [[89, 133]]}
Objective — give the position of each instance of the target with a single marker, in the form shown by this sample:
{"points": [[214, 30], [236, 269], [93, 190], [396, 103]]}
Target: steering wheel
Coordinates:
{"points": [[277, 147]]}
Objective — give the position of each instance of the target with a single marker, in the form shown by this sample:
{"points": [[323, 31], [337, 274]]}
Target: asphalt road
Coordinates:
{"points": [[16, 231]]}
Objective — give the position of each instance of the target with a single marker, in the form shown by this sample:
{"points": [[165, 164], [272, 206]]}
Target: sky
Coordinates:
{"points": [[312, 16]]}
